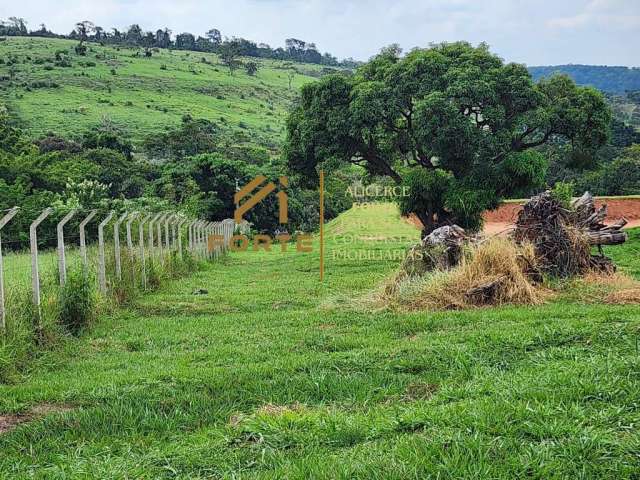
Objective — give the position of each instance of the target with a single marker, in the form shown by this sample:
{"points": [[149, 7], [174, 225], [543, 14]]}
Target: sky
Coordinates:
{"points": [[534, 32]]}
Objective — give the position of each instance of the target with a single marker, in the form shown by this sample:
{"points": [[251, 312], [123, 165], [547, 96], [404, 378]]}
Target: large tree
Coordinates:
{"points": [[452, 121]]}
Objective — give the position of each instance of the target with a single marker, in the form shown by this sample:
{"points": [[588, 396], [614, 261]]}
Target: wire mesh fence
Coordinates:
{"points": [[115, 255]]}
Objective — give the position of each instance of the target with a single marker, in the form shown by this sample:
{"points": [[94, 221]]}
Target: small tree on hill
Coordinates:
{"points": [[454, 122], [229, 54], [251, 68], [83, 30]]}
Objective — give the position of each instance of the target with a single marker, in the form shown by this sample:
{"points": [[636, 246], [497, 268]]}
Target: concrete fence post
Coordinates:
{"points": [[102, 268], [35, 274], [159, 226], [116, 244], [180, 224], [191, 224], [201, 244], [196, 239], [212, 231], [143, 264], [62, 258], [231, 229], [3, 314], [132, 217], [171, 239], [174, 231], [167, 220], [151, 223], [83, 240]]}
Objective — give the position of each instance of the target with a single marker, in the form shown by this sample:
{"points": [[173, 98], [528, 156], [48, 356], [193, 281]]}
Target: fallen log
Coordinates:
{"points": [[606, 237], [484, 292]]}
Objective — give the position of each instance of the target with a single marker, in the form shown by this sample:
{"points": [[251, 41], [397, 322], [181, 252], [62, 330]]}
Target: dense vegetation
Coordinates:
{"points": [[608, 79], [75, 136], [174, 128], [198, 176]]}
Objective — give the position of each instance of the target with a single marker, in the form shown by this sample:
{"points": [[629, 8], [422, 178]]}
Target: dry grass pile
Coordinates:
{"points": [[495, 272], [601, 287]]}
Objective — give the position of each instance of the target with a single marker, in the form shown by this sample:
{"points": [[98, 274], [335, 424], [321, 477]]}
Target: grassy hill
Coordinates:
{"points": [[51, 89], [274, 375]]}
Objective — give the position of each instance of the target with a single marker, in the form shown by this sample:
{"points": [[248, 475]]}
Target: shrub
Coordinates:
{"points": [[562, 192], [77, 301]]}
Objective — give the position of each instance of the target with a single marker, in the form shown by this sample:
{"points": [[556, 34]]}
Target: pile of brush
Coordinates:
{"points": [[450, 269], [493, 272], [562, 236]]}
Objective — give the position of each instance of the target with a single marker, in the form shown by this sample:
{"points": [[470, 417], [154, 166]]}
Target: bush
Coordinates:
{"points": [[562, 192], [77, 301]]}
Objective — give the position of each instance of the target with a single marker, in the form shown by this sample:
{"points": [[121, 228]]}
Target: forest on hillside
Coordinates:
{"points": [[610, 79]]}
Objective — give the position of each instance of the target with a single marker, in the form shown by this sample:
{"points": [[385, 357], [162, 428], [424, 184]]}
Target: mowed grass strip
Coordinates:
{"points": [[273, 375]]}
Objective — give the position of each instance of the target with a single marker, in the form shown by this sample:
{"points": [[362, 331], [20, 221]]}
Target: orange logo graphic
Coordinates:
{"points": [[260, 195]]}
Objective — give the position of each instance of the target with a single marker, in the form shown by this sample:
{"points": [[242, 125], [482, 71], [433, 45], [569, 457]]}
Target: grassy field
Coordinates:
{"points": [[142, 95], [275, 375]]}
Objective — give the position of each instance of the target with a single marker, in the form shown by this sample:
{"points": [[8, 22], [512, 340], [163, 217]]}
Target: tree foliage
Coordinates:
{"points": [[451, 109]]}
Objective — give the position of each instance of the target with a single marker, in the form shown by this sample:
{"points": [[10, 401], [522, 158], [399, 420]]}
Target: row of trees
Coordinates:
{"points": [[295, 50]]}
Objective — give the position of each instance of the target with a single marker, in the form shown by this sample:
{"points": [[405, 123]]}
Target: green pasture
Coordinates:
{"points": [[143, 95], [252, 368]]}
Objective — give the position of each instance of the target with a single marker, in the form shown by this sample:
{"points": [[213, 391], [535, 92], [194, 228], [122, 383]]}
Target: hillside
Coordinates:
{"points": [[608, 79], [52, 89]]}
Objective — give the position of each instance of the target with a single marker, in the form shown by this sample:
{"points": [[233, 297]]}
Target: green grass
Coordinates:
{"points": [[145, 95], [176, 386]]}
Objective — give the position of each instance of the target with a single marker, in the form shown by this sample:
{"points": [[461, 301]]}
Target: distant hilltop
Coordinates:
{"points": [[615, 80]]}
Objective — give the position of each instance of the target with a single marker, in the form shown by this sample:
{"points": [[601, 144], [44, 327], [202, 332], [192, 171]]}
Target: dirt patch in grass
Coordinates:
{"points": [[11, 421], [627, 296], [276, 410], [420, 391]]}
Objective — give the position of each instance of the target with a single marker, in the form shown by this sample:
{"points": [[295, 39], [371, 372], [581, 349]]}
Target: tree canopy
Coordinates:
{"points": [[453, 113]]}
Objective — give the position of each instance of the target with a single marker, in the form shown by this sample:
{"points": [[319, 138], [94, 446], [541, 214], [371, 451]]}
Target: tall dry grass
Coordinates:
{"points": [[498, 262]]}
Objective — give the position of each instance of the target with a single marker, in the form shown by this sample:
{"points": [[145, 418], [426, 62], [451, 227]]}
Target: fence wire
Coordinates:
{"points": [[139, 247]]}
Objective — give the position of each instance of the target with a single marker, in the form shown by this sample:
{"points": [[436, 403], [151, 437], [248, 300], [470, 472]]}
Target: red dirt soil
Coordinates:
{"points": [[503, 218], [628, 208]]}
